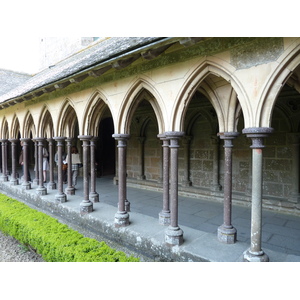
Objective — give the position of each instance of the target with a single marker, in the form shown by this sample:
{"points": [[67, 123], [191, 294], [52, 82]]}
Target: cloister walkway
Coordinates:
{"points": [[199, 220]]}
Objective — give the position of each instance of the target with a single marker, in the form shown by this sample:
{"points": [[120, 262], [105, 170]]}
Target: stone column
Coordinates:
{"points": [[94, 196], [70, 189], [226, 232], [25, 184], [36, 163], [86, 206], [60, 197], [186, 157], [257, 135], [41, 189], [13, 178], [51, 184], [215, 187], [164, 215], [295, 196], [4, 176], [122, 216], [141, 140], [174, 235]]}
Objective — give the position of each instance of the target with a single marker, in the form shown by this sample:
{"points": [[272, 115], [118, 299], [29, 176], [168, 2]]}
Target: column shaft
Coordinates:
{"points": [[14, 179], [94, 196], [174, 235], [51, 184], [26, 175], [164, 215], [60, 197], [41, 190], [122, 217], [257, 135], [86, 206], [4, 176], [226, 232], [70, 189]]}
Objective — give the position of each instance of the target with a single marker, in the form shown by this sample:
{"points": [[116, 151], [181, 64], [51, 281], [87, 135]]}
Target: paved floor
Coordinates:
{"points": [[198, 218]]}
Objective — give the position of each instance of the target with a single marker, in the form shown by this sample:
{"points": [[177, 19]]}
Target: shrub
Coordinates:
{"points": [[54, 241]]}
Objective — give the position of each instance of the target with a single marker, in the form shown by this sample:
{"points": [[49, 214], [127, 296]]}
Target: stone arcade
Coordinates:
{"points": [[213, 118]]}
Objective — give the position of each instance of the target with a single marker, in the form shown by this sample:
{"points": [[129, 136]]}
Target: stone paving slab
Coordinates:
{"points": [[281, 239]]}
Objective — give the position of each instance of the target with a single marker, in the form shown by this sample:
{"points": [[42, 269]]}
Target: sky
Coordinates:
{"points": [[19, 54]]}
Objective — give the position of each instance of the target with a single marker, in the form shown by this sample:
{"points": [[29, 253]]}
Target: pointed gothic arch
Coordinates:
{"points": [[140, 90], [15, 128], [210, 76], [284, 73], [67, 121], [45, 124], [96, 108], [29, 128]]}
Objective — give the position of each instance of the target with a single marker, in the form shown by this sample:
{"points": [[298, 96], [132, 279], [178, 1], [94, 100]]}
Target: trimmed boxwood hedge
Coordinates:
{"points": [[54, 241]]}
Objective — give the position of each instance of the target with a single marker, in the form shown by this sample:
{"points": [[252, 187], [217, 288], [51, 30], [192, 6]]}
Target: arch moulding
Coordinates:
{"points": [[140, 90], [193, 82]]}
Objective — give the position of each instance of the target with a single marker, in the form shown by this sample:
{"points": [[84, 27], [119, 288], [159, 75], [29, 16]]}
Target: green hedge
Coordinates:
{"points": [[55, 241]]}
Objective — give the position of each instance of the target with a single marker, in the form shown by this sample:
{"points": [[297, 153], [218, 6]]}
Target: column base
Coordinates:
{"points": [[4, 178], [51, 186], [127, 205], [121, 219], [164, 218], [60, 198], [227, 235], [255, 257], [70, 190], [41, 191], [26, 185], [14, 181], [173, 236], [86, 207], [35, 182], [94, 197]]}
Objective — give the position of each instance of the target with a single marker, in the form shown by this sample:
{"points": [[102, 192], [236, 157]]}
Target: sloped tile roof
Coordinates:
{"points": [[10, 79], [96, 54]]}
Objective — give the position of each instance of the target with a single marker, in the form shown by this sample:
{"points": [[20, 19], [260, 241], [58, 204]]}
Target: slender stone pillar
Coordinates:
{"points": [[41, 189], [4, 176], [164, 215], [86, 206], [257, 134], [173, 234], [122, 216], [60, 197], [94, 196], [186, 157], [215, 187], [295, 196], [70, 189], [26, 185], [13, 179], [51, 183], [36, 163], [226, 232], [141, 140]]}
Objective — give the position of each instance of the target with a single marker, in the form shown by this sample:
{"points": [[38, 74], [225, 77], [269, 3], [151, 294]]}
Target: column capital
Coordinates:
{"points": [[25, 140], [228, 135], [3, 140], [257, 134], [13, 140], [121, 136], [59, 140], [85, 137], [174, 134]]}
